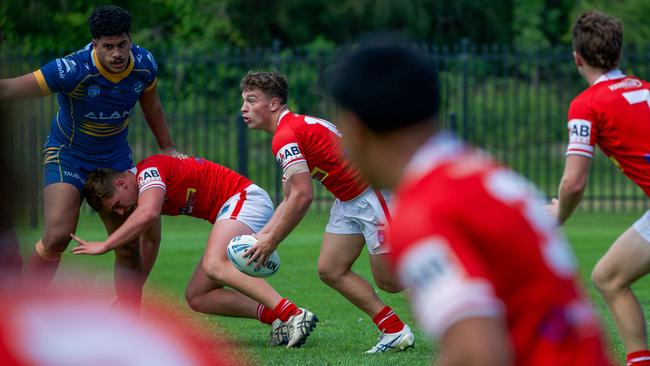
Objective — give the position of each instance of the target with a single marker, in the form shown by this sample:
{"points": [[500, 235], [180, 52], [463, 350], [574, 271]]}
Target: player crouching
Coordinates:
{"points": [[203, 189]]}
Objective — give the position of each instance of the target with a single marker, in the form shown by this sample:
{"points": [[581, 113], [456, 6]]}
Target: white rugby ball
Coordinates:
{"points": [[236, 248]]}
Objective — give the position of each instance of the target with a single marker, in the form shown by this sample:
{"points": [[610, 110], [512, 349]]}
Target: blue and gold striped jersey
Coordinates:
{"points": [[95, 104]]}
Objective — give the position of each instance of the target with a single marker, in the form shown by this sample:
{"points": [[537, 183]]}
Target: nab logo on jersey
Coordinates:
{"points": [[579, 131], [289, 153], [149, 176]]}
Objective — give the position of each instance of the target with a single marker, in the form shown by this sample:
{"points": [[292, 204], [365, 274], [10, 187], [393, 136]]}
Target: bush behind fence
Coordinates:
{"points": [[509, 103]]}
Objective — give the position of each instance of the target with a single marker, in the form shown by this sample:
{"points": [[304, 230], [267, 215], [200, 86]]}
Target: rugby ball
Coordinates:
{"points": [[236, 248]]}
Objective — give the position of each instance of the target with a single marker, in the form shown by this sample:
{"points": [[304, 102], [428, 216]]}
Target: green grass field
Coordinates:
{"points": [[343, 332]]}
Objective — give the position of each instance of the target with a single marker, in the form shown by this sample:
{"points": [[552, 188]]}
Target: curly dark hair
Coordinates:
{"points": [[99, 185], [109, 20], [598, 38], [272, 84]]}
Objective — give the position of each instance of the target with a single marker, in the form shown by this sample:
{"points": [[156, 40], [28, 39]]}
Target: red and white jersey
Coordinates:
{"points": [[313, 140], [193, 186], [469, 239], [614, 114]]}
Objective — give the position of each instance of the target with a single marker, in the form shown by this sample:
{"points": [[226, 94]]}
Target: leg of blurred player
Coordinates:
{"points": [[626, 261], [61, 202]]}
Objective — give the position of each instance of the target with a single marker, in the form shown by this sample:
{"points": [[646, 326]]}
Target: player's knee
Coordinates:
{"points": [[214, 270], [605, 281], [55, 241], [128, 255], [329, 274], [389, 285], [193, 300]]}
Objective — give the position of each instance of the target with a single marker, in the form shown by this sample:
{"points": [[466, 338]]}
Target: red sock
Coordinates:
{"points": [[285, 309], [387, 321], [638, 358], [265, 315]]}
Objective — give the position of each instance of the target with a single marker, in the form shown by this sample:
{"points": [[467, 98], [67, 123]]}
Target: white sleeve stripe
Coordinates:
{"points": [[581, 153], [440, 307], [153, 185], [581, 147], [291, 162], [577, 120]]}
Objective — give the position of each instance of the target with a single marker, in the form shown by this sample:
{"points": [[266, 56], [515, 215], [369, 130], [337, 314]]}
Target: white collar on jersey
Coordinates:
{"points": [[284, 113], [610, 75], [431, 153]]}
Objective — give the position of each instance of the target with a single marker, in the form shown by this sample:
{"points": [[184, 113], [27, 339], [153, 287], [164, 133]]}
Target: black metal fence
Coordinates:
{"points": [[512, 104]]}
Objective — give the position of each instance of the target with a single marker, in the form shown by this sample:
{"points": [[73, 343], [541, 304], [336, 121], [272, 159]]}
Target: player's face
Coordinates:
{"points": [[256, 109], [113, 51], [124, 199]]}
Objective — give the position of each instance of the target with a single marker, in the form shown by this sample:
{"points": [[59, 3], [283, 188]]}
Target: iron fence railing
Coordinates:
{"points": [[512, 104]]}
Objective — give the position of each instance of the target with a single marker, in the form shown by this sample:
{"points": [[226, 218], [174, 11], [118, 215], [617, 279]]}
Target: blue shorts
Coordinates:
{"points": [[61, 164]]}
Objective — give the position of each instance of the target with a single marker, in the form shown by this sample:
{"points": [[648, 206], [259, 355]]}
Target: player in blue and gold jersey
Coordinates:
{"points": [[97, 88]]}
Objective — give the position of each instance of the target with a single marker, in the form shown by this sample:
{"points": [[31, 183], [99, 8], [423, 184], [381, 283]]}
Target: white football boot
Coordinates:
{"points": [[279, 335], [299, 327], [394, 342]]}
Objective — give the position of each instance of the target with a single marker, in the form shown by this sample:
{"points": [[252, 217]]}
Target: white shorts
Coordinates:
{"points": [[642, 226], [366, 215], [252, 206]]}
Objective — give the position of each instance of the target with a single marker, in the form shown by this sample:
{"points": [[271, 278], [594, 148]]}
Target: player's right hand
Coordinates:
{"points": [[88, 247]]}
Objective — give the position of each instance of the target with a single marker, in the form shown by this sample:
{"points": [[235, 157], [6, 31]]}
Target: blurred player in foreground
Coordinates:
{"points": [[200, 188], [72, 325], [97, 88], [488, 273], [613, 113], [308, 147]]}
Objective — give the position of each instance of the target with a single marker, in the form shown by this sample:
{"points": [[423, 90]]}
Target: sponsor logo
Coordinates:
{"points": [[148, 176], [288, 153], [319, 174], [108, 115], [93, 90], [224, 209], [139, 57], [189, 202], [137, 87], [73, 175], [579, 131]]}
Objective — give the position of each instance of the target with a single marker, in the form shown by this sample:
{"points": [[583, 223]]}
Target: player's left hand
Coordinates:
{"points": [[171, 151], [88, 247], [262, 250]]}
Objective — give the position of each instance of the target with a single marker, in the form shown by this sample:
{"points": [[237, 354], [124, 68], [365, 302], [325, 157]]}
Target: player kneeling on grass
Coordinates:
{"points": [[200, 188], [488, 272]]}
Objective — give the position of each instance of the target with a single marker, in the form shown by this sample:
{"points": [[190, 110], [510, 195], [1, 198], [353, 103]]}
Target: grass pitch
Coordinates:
{"points": [[344, 332]]}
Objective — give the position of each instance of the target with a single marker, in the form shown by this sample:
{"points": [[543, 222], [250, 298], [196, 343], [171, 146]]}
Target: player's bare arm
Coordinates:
{"points": [[572, 187], [143, 217], [155, 117], [298, 196], [22, 87], [476, 341]]}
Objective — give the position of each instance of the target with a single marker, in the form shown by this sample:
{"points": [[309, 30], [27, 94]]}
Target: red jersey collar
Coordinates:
{"points": [[610, 75], [284, 113]]}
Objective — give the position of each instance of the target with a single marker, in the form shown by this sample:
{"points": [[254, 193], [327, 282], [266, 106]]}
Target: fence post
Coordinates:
{"points": [[464, 56], [242, 146], [34, 185]]}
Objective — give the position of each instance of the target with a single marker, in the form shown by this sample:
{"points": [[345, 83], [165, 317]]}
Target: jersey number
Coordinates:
{"points": [[638, 96], [329, 125]]}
